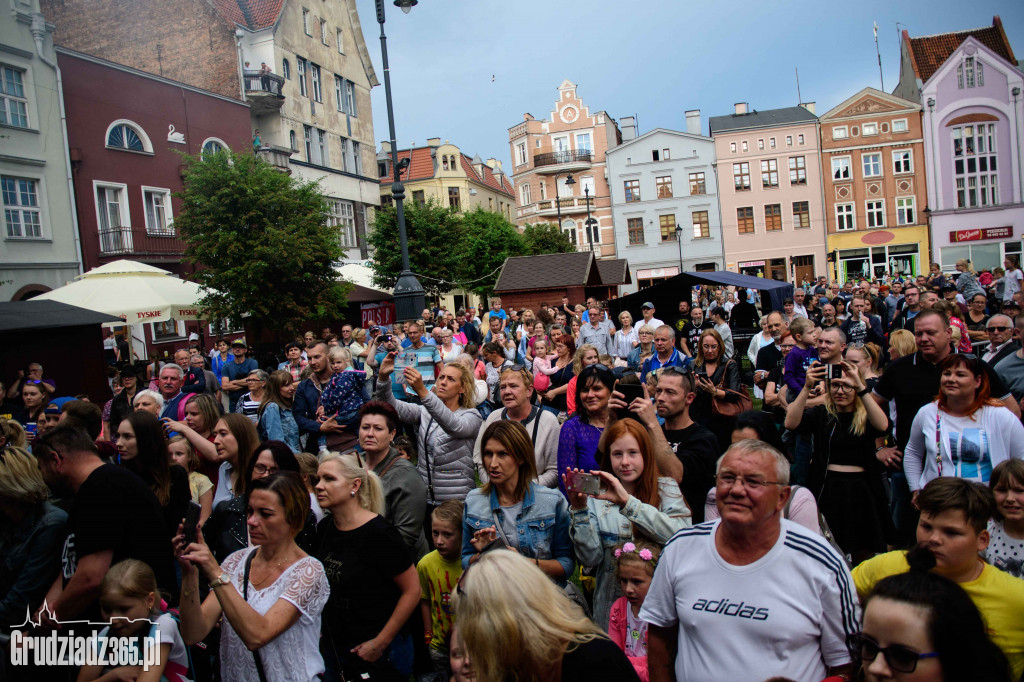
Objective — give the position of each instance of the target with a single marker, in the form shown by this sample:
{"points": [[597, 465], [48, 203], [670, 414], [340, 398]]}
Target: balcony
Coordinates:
{"points": [[562, 162], [568, 205], [265, 94], [122, 241]]}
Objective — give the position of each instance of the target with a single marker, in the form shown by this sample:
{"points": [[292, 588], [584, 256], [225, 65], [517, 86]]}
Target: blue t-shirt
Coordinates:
{"points": [[233, 371]]}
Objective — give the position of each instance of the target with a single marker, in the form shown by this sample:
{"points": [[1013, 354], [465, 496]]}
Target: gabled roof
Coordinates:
{"points": [[869, 101], [928, 53], [550, 271], [489, 179], [421, 167], [760, 119], [614, 272], [253, 14]]}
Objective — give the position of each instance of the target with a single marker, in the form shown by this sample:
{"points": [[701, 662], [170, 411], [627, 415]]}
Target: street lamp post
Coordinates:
{"points": [[409, 297], [590, 221], [569, 182], [679, 243]]}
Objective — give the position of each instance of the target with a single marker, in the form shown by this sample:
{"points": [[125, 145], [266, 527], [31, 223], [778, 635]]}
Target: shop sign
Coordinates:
{"points": [[377, 314], [981, 233], [753, 264]]}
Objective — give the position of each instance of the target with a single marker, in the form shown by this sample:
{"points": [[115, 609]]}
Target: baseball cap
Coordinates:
{"points": [[239, 342], [57, 406], [1010, 304], [193, 337], [648, 304]]}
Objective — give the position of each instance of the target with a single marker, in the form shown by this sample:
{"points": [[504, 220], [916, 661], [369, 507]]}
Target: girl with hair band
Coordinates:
{"points": [[634, 568]]}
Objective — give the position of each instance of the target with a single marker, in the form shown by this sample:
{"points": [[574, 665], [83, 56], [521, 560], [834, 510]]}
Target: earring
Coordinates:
{"points": [[352, 494]]}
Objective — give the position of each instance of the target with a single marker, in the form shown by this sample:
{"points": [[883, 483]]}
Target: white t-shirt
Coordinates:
{"points": [[176, 668], [1004, 552], [1012, 283], [971, 447], [787, 614]]}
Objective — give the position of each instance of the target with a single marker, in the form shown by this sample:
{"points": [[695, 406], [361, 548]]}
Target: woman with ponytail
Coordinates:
{"points": [[374, 585]]}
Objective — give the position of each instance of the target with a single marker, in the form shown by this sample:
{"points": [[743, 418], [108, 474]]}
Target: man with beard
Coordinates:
{"points": [[307, 396], [691, 331]]}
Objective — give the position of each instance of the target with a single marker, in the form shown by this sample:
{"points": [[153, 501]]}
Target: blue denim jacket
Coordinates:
{"points": [[543, 525]]}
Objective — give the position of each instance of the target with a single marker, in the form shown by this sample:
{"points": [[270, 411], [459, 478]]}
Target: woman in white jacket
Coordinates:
{"points": [[964, 433], [636, 502]]}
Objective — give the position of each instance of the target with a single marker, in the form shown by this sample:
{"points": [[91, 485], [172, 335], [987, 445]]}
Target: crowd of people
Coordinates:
{"points": [[835, 488]]}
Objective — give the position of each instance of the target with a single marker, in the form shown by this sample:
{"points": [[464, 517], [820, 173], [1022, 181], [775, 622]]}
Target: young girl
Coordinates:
{"points": [[1005, 549], [129, 600], [343, 395], [635, 562], [542, 367], [199, 485]]}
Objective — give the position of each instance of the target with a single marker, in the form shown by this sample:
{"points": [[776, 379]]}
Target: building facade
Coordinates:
{"points": [[872, 151], [571, 143], [660, 181], [769, 170], [311, 109], [126, 129], [971, 93], [39, 249], [443, 173]]}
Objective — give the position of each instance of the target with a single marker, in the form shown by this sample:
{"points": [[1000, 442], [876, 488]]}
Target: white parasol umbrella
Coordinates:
{"points": [[133, 291]]}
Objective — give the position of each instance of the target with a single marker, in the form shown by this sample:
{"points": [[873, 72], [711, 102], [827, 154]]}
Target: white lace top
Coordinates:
{"points": [[295, 653]]}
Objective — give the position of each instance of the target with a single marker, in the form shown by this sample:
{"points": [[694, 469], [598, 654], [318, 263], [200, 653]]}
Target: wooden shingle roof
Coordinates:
{"points": [[550, 271]]}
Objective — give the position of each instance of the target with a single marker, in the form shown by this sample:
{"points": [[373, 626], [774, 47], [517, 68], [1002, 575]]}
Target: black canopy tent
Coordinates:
{"points": [[666, 295]]}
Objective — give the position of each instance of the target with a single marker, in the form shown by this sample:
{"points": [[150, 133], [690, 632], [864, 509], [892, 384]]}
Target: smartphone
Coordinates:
{"points": [[191, 522], [631, 393], [384, 338], [579, 482], [833, 371], [403, 360]]}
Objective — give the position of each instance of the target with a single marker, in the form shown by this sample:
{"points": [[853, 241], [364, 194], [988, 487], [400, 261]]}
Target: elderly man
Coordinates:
{"points": [[595, 333], [35, 376], [647, 310], [1001, 343], [1011, 368], [170, 381], [751, 590], [665, 353], [799, 309], [770, 355]]}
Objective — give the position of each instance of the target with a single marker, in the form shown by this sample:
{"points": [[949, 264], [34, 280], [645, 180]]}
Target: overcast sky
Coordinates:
{"points": [[467, 70]]}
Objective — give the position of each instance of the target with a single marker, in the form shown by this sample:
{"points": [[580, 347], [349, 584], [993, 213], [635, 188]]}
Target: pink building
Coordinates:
{"points": [[770, 192]]}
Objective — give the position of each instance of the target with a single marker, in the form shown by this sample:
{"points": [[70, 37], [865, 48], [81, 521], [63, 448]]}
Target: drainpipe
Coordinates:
{"points": [[1016, 133], [933, 255], [239, 34], [824, 213], [39, 36]]}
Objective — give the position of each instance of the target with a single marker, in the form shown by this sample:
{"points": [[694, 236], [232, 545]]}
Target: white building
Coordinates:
{"points": [[661, 181], [39, 245]]}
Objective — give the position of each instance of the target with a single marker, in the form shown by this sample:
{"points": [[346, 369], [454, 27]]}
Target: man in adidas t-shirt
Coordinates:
{"points": [[751, 591]]}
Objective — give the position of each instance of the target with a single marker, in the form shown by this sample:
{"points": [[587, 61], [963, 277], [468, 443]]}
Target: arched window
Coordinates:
{"points": [[291, 141], [444, 162], [286, 69], [128, 136], [212, 145]]}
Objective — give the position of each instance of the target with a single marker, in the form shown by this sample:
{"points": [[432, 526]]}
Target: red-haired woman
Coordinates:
{"points": [[555, 396], [965, 432], [636, 503]]}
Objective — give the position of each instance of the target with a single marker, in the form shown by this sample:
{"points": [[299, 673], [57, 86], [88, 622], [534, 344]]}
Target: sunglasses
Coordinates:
{"points": [[999, 329], [898, 657]]}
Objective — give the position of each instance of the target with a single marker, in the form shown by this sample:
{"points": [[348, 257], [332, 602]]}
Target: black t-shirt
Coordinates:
{"points": [[598, 659], [744, 316], [691, 331], [181, 495], [361, 566], [769, 357], [697, 448], [979, 326], [115, 510], [913, 382]]}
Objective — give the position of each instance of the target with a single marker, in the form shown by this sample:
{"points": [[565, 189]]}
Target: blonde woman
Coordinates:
{"points": [[865, 359], [626, 338], [374, 586], [644, 348], [846, 477], [967, 280], [515, 624]]}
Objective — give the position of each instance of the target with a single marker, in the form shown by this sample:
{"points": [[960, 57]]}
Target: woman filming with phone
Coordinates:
{"points": [[631, 501]]}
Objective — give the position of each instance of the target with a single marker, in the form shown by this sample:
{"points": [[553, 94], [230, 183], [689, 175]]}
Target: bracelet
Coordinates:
{"points": [[880, 448], [864, 392], [536, 561]]}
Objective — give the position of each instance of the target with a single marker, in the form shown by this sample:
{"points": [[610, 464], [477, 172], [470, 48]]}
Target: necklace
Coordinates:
{"points": [[257, 583]]}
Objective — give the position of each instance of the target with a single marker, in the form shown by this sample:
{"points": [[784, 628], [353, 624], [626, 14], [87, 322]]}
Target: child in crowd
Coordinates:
{"points": [[801, 357], [201, 487], [542, 367], [130, 601], [406, 448], [308, 465], [462, 668], [1005, 549], [635, 563], [439, 573], [343, 394]]}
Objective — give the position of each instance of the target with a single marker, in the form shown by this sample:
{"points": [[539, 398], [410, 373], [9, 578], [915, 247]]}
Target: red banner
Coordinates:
{"points": [[980, 233], [377, 314]]}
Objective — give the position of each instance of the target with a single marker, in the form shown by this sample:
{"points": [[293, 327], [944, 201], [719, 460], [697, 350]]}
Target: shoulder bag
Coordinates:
{"points": [[245, 596], [730, 408]]}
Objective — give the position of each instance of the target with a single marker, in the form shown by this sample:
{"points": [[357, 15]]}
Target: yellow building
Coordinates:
{"points": [[443, 172]]}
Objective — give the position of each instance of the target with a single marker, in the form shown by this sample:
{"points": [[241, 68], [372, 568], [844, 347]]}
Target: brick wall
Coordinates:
{"points": [[533, 298], [184, 40]]}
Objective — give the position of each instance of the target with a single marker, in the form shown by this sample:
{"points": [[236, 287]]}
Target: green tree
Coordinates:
{"points": [[546, 238], [262, 241], [487, 240], [433, 233]]}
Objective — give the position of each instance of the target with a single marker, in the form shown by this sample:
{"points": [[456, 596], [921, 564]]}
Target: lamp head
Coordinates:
{"points": [[406, 5], [569, 180]]}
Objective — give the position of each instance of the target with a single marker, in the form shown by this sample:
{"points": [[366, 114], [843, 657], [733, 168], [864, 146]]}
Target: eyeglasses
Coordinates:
{"points": [[749, 482], [999, 329], [645, 333], [840, 388], [263, 469], [900, 659]]}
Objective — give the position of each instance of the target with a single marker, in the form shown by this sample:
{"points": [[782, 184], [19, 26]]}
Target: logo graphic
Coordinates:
{"points": [[64, 648], [725, 607]]}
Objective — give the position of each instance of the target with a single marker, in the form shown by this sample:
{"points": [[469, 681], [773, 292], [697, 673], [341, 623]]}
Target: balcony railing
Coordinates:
{"points": [[271, 83], [138, 241], [555, 158]]}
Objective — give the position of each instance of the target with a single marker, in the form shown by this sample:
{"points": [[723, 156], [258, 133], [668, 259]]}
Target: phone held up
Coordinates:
{"points": [[579, 482], [191, 522]]}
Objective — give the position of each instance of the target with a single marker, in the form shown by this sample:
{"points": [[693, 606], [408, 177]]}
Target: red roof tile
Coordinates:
{"points": [[253, 14], [928, 53], [422, 167]]}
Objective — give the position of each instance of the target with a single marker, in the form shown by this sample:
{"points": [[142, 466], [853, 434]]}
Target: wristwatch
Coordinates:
{"points": [[864, 392], [222, 579]]}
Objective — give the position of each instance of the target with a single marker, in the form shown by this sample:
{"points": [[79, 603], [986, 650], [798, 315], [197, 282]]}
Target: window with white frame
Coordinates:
{"points": [[899, 125], [323, 31], [212, 145], [560, 143], [340, 37], [305, 22], [307, 134], [318, 91], [341, 215], [841, 168], [300, 71], [521, 157], [732, 147], [905, 211], [970, 73], [872, 165], [157, 203], [339, 92], [743, 146], [169, 329], [797, 170], [350, 156], [771, 143], [769, 173], [587, 183], [524, 194], [840, 132], [128, 136], [286, 69], [13, 103], [583, 142], [760, 144], [321, 144], [112, 215], [22, 207], [350, 99], [875, 212], [869, 129], [975, 164], [800, 138], [844, 218], [902, 161], [665, 155]]}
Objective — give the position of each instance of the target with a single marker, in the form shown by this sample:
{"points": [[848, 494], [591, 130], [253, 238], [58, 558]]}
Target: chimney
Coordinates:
{"points": [[627, 124], [433, 141], [740, 108], [385, 147], [490, 163], [693, 121], [809, 106]]}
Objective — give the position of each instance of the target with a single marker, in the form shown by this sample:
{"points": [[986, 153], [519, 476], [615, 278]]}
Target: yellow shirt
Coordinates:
{"points": [[438, 578], [999, 597]]}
